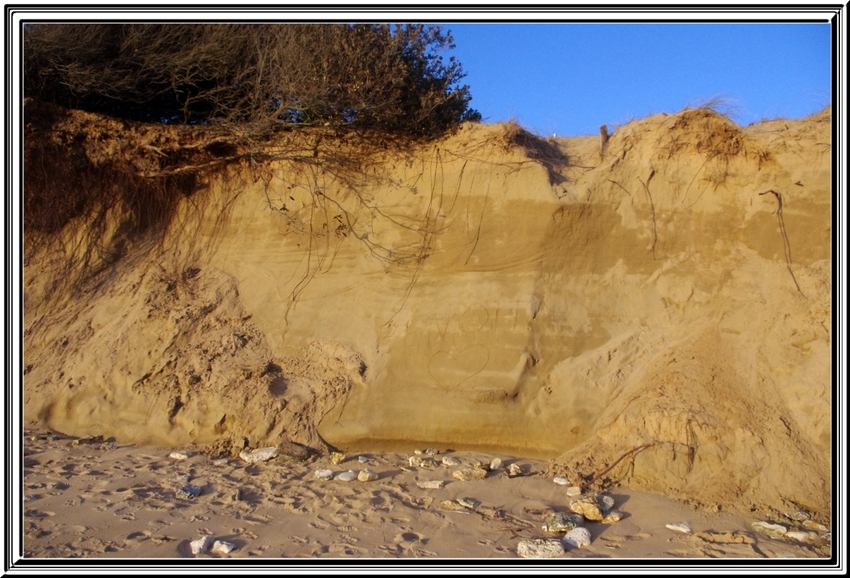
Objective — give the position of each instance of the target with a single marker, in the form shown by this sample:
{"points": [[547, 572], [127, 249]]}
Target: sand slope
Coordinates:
{"points": [[642, 315]]}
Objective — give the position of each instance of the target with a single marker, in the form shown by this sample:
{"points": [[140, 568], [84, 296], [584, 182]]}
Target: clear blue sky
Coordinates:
{"points": [[569, 79]]}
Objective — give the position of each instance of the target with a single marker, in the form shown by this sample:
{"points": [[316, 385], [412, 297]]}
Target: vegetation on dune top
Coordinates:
{"points": [[378, 76]]}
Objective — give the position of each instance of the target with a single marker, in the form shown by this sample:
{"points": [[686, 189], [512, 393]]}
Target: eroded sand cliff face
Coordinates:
{"points": [[648, 314]]}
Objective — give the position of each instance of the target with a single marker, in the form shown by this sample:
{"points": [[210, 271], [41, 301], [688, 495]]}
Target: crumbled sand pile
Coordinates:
{"points": [[654, 314]]}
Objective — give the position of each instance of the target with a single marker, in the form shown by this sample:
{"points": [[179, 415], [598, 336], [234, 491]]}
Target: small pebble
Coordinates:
{"points": [[414, 461], [363, 459], [559, 523], [367, 476], [468, 503], [540, 548], [680, 527], [606, 503], [798, 516], [514, 470], [612, 518], [188, 492], [324, 474], [200, 545], [222, 547], [221, 462], [347, 476], [561, 481], [587, 507], [772, 530], [469, 474], [259, 454], [812, 525], [417, 452], [453, 506], [573, 491], [495, 464], [577, 537], [432, 451], [179, 455], [801, 536], [450, 461], [430, 485], [337, 458]]}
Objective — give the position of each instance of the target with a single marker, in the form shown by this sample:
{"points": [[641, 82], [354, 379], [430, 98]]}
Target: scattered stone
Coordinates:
{"points": [[427, 463], [294, 452], [573, 491], [468, 503], [221, 462], [469, 474], [324, 474], [432, 452], [453, 506], [540, 548], [347, 476], [450, 461], [495, 464], [559, 523], [798, 516], [417, 452], [87, 440], [612, 518], [179, 455], [680, 527], [587, 507], [367, 475], [515, 470], [561, 481], [188, 492], [222, 547], [337, 458], [259, 455], [606, 503], [108, 446], [771, 530], [414, 461], [577, 538], [200, 545], [363, 459], [801, 536], [812, 525], [431, 485]]}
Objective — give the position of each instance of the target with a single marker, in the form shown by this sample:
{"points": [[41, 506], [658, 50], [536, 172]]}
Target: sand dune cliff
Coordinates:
{"points": [[656, 313]]}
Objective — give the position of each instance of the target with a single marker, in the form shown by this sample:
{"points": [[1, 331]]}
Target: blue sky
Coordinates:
{"points": [[568, 79]]}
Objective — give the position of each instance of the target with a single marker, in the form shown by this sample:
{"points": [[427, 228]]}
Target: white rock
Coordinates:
{"points": [[221, 462], [258, 455], [540, 548], [495, 464], [347, 476], [772, 530], [179, 455], [801, 536], [561, 481], [606, 503], [367, 476], [431, 485], [469, 474], [414, 461], [450, 461], [222, 547], [200, 545], [574, 491], [577, 537], [323, 474], [514, 470], [680, 527], [362, 459], [811, 525]]}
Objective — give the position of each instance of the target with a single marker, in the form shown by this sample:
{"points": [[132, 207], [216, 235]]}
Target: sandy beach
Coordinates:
{"points": [[87, 498]]}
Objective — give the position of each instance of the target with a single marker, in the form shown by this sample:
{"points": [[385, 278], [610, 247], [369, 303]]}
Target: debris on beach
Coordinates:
{"points": [[573, 491], [559, 523], [495, 464], [367, 475], [188, 492], [337, 458], [515, 470], [450, 461], [179, 455], [801, 536], [430, 485], [347, 476], [259, 455], [324, 474], [606, 503], [222, 547], [561, 481], [540, 548], [577, 537], [771, 530], [200, 545], [587, 506], [680, 527], [469, 474], [612, 518]]}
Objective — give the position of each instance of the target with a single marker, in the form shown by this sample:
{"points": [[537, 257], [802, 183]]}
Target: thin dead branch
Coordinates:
{"points": [[787, 245]]}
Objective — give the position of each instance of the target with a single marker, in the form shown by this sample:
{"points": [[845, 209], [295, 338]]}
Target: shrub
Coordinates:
{"points": [[362, 75]]}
